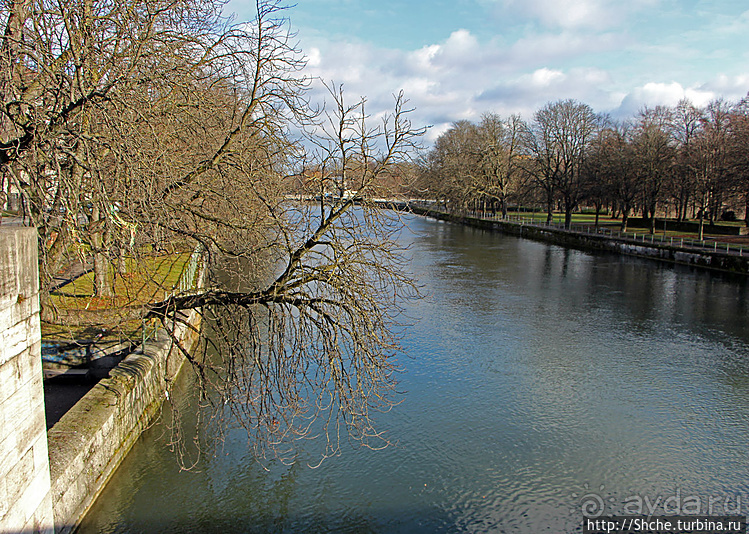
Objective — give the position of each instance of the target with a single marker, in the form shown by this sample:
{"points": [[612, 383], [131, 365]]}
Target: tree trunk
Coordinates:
{"points": [[684, 208], [48, 310], [122, 254], [651, 220], [598, 212], [102, 277]]}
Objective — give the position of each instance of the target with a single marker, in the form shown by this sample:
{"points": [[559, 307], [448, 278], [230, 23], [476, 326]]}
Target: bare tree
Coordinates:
{"points": [[115, 115], [558, 141], [543, 164], [654, 154], [712, 155], [452, 168], [738, 149], [472, 164], [620, 165], [92, 92], [499, 153], [598, 172], [141, 126], [317, 342], [685, 125]]}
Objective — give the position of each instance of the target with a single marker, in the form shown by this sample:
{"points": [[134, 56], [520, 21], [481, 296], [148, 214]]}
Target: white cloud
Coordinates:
{"points": [[545, 77], [313, 57], [461, 49], [441, 80], [573, 14], [731, 87], [528, 92], [460, 42], [667, 94], [545, 47], [463, 76], [424, 57]]}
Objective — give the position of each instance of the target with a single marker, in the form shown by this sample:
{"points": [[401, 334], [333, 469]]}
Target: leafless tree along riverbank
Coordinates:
{"points": [[141, 128]]}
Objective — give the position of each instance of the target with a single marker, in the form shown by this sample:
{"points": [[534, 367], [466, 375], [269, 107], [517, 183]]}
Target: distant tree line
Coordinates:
{"points": [[683, 161]]}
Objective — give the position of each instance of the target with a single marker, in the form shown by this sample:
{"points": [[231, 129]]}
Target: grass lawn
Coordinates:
{"points": [[588, 219], [84, 315]]}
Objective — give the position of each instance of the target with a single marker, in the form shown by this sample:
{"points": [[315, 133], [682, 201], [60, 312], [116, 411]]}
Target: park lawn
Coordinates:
{"points": [[637, 233], [587, 219], [150, 279], [577, 218]]}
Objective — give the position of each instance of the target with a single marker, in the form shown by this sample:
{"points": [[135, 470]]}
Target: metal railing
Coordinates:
{"points": [[187, 282], [687, 244], [187, 278], [149, 330]]}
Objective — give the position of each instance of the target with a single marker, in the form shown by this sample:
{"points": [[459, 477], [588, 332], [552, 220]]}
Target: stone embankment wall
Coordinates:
{"points": [[674, 254], [90, 441], [48, 480], [25, 498]]}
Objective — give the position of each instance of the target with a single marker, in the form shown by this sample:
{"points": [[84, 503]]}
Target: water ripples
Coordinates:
{"points": [[535, 376]]}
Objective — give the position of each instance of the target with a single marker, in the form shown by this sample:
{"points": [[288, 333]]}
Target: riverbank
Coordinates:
{"points": [[49, 478], [90, 441], [669, 251]]}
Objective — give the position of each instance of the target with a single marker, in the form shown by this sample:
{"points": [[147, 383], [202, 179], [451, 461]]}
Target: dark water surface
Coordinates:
{"points": [[540, 381]]}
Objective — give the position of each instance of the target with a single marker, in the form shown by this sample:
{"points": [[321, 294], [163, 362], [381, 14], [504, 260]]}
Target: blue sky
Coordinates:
{"points": [[458, 59]]}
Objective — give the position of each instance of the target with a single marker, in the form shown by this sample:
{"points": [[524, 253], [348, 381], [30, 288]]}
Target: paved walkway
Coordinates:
{"points": [[61, 393], [70, 273]]}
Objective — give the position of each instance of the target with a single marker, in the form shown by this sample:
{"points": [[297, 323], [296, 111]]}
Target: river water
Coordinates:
{"points": [[541, 383]]}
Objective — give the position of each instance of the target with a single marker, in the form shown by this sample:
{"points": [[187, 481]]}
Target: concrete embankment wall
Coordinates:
{"points": [[91, 440], [664, 252], [25, 498]]}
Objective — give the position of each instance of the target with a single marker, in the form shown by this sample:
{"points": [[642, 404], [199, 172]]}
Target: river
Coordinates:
{"points": [[540, 383]]}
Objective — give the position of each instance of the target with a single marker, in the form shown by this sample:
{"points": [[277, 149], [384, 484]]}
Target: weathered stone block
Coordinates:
{"points": [[27, 504], [21, 474], [42, 521], [24, 469], [18, 338]]}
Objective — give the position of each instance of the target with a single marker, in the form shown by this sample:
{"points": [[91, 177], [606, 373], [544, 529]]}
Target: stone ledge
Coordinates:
{"points": [[90, 441], [719, 261]]}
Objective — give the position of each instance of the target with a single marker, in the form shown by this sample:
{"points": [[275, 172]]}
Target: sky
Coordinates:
{"points": [[458, 59]]}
